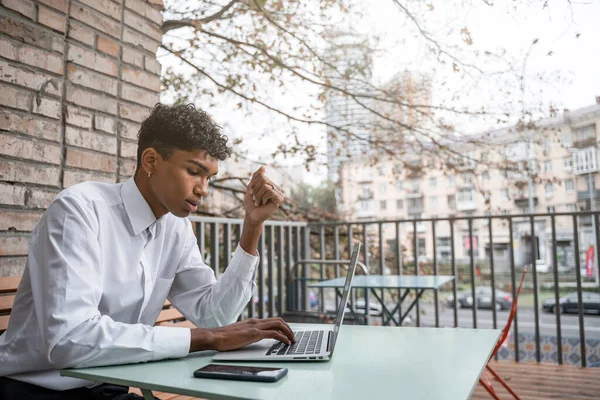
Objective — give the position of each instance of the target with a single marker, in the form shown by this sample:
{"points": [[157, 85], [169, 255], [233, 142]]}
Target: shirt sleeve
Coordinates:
{"points": [[204, 300], [66, 269]]}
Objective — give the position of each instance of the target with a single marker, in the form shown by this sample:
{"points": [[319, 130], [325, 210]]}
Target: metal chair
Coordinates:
{"points": [[505, 332]]}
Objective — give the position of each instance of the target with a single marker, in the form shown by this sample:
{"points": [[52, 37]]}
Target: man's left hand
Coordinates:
{"points": [[262, 198]]}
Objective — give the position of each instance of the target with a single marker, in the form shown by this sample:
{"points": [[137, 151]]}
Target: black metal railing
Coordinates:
{"points": [[398, 247]]}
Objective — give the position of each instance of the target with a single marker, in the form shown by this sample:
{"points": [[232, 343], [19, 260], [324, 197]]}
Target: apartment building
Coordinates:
{"points": [[558, 159]]}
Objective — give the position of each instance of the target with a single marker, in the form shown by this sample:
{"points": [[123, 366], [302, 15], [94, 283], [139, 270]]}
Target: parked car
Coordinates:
{"points": [[484, 299], [540, 266], [569, 303]]}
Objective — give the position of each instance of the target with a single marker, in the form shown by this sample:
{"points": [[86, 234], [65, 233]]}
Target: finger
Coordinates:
{"points": [[258, 173], [274, 197], [277, 336], [258, 182], [279, 325], [260, 192]]}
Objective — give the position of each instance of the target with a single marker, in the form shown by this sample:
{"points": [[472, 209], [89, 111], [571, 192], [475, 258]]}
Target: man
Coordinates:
{"points": [[104, 257]]}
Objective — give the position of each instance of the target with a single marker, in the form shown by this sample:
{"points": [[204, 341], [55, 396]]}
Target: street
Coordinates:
{"points": [[526, 320]]}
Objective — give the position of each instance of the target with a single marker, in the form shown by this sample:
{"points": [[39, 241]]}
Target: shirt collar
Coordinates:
{"points": [[139, 212]]}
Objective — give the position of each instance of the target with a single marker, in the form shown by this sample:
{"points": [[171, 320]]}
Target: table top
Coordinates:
{"points": [[389, 282], [369, 362]]}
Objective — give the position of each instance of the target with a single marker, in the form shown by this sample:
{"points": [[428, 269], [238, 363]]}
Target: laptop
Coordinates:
{"points": [[310, 345]]}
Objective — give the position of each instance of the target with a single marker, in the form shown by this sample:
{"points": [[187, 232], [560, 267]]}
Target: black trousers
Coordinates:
{"points": [[11, 389]]}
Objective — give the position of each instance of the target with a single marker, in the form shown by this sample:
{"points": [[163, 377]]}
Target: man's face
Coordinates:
{"points": [[179, 182]]}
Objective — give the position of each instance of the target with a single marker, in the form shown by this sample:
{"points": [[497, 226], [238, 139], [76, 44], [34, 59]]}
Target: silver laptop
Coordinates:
{"points": [[317, 345]]}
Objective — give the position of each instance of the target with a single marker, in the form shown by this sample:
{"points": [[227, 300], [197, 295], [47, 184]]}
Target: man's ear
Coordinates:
{"points": [[149, 158]]}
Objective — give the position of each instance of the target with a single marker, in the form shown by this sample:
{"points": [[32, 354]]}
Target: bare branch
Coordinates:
{"points": [[176, 24]]}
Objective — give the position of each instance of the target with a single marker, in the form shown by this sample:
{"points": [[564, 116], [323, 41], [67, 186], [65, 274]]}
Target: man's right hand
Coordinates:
{"points": [[241, 334]]}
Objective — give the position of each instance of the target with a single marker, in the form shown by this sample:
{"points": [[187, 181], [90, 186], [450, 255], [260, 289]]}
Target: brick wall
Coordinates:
{"points": [[76, 80]]}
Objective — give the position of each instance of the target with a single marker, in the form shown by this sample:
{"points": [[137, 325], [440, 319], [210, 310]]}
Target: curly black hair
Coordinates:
{"points": [[182, 127]]}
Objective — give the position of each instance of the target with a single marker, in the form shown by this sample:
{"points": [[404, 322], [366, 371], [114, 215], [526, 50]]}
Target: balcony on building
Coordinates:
{"points": [[364, 209], [585, 161], [523, 201], [466, 200], [415, 205], [420, 227], [366, 195]]}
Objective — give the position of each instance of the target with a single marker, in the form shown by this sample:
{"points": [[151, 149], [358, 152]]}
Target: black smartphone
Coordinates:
{"points": [[241, 373]]}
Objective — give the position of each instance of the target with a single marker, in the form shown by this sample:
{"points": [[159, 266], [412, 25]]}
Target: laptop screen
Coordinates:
{"points": [[344, 300]]}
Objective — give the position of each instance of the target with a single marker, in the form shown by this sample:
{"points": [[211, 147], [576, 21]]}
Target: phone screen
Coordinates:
{"points": [[239, 369], [240, 372]]}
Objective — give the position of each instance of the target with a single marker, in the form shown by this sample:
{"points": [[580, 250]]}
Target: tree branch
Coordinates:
{"points": [[176, 24]]}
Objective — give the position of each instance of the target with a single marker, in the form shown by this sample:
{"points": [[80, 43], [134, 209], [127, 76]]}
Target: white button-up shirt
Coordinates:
{"points": [[100, 267]]}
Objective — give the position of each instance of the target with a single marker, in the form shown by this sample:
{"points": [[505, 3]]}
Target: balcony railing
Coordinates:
{"points": [[391, 246]]}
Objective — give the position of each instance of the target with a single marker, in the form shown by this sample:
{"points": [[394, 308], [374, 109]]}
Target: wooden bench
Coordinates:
{"points": [[169, 316]]}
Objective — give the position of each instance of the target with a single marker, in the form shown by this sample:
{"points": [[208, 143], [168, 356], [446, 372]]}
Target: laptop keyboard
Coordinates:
{"points": [[307, 342]]}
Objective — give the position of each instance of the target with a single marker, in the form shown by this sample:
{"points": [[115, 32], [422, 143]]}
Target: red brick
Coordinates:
{"points": [[81, 33], [128, 130], [128, 150], [91, 100], [138, 6], [133, 113], [139, 95], [24, 172], [127, 167], [108, 46], [143, 26], [11, 97], [12, 266], [91, 140], [131, 56], [105, 6], [23, 7], [40, 59], [32, 80], [141, 78], [154, 15], [152, 65], [14, 245], [91, 160], [32, 34], [39, 198], [19, 220], [91, 60], [12, 195], [29, 125], [105, 124], [52, 19], [91, 79], [30, 149], [96, 19], [60, 5], [137, 39], [74, 177], [48, 107], [79, 117]]}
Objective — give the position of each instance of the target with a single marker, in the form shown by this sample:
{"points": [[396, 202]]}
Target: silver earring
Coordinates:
{"points": [[149, 173]]}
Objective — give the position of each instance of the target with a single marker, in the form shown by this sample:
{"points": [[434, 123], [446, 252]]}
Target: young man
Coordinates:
{"points": [[104, 258]]}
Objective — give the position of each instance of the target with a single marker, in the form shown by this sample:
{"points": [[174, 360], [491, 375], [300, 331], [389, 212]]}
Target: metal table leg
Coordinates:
{"points": [[147, 393]]}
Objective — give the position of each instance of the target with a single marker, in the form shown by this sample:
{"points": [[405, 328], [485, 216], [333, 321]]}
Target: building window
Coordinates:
{"points": [[484, 156], [432, 182], [504, 173], [504, 194], [485, 175], [567, 140], [383, 204], [381, 171], [382, 188], [551, 209], [505, 212], [549, 189], [547, 166], [487, 213], [399, 204], [568, 163], [433, 201], [583, 134], [450, 180], [451, 202], [414, 185], [569, 185], [397, 168], [571, 207], [399, 185], [545, 145]]}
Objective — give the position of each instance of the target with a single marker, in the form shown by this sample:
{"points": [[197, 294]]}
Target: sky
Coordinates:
{"points": [[567, 55]]}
